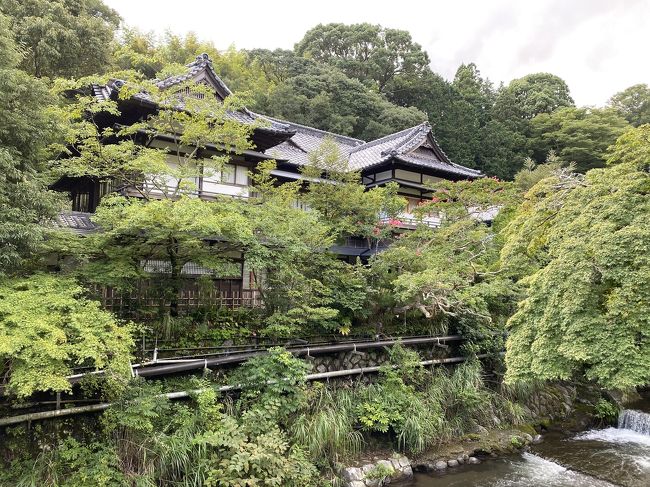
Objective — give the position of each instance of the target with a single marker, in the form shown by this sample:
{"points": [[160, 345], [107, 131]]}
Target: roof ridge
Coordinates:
{"points": [[314, 129], [388, 137], [201, 62], [410, 143]]}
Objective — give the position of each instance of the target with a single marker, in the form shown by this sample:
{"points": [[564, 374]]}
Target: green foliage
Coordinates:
{"points": [[633, 104], [325, 98], [380, 472], [580, 246], [532, 95], [273, 386], [409, 407], [73, 464], [337, 195], [533, 173], [62, 37], [633, 147], [449, 274], [578, 135], [25, 131], [47, 327], [327, 427], [370, 53], [606, 411]]}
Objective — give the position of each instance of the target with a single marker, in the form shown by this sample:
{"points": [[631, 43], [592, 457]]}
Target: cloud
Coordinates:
{"points": [[598, 46]]}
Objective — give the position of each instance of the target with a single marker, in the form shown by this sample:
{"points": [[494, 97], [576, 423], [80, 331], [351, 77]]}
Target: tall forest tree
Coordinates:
{"points": [[47, 325], [633, 104], [579, 246], [578, 135], [373, 54], [25, 131], [325, 98], [62, 38]]}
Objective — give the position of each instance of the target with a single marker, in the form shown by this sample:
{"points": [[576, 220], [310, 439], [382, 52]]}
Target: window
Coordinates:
{"points": [[234, 174], [407, 175], [241, 176], [228, 174]]}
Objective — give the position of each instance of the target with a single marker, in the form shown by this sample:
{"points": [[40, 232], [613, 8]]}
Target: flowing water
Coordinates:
{"points": [[599, 458]]}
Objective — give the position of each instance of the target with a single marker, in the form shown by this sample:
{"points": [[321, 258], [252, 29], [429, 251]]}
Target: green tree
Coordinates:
{"points": [[279, 65], [502, 150], [47, 327], [531, 95], [25, 130], [148, 54], [580, 246], [327, 99], [369, 53], [448, 274], [336, 193], [475, 90], [579, 135], [66, 38], [633, 104], [532, 173], [304, 286]]}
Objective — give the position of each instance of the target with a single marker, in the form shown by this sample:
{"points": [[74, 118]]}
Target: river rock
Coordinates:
{"points": [[460, 459], [356, 483], [473, 461], [452, 463], [440, 465], [403, 461], [537, 439], [352, 474]]}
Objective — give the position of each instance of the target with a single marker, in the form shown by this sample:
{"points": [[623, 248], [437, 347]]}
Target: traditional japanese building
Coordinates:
{"points": [[412, 158]]}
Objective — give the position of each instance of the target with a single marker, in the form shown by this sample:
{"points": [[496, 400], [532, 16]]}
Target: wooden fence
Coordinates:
{"points": [[148, 300]]}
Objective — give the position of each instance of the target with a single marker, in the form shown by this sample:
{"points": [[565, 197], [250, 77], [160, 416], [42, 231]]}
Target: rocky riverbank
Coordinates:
{"points": [[546, 406], [472, 449]]}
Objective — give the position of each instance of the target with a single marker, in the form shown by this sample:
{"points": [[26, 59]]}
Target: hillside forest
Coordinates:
{"points": [[553, 289]]}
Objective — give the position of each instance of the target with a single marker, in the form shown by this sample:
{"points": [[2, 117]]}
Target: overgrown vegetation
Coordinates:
{"points": [[552, 266], [278, 430]]}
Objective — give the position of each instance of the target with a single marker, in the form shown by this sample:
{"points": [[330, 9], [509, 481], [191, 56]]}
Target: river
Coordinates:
{"points": [[596, 458]]}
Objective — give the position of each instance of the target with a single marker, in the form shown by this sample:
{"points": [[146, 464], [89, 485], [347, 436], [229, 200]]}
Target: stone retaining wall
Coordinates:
{"points": [[368, 358], [553, 402], [398, 469]]}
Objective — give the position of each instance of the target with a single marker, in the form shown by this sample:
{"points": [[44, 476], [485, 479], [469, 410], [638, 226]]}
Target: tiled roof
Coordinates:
{"points": [[415, 145], [77, 221], [307, 139], [200, 70]]}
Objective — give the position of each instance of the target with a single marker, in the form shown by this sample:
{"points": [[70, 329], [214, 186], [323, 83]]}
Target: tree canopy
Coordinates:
{"points": [[580, 246], [579, 135], [370, 53], [68, 38], [26, 128], [633, 104]]}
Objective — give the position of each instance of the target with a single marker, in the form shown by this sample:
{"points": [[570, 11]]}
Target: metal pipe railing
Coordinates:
{"points": [[210, 362], [58, 413]]}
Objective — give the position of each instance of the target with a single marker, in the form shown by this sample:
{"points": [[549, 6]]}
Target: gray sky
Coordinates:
{"points": [[598, 46]]}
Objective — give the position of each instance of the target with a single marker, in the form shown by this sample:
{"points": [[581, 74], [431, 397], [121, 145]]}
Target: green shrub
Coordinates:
{"points": [[605, 411]]}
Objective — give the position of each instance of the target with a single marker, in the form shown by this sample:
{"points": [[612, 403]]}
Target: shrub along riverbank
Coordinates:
{"points": [[278, 429]]}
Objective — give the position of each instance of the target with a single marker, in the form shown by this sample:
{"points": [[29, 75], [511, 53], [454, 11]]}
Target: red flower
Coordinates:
{"points": [[394, 222]]}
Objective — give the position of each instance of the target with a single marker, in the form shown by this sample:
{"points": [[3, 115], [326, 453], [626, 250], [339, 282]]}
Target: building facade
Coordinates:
{"points": [[412, 158]]}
